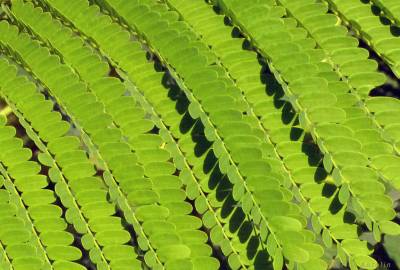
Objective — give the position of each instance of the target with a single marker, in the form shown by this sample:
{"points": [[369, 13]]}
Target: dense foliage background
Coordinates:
{"points": [[192, 134]]}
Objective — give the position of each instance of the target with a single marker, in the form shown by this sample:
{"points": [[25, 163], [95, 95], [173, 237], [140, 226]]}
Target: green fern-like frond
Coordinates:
{"points": [[33, 231], [243, 127], [280, 64], [61, 161], [349, 71], [194, 134], [369, 26], [150, 159]]}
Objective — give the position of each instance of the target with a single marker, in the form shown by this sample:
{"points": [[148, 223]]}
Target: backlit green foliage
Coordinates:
{"points": [[192, 134]]}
